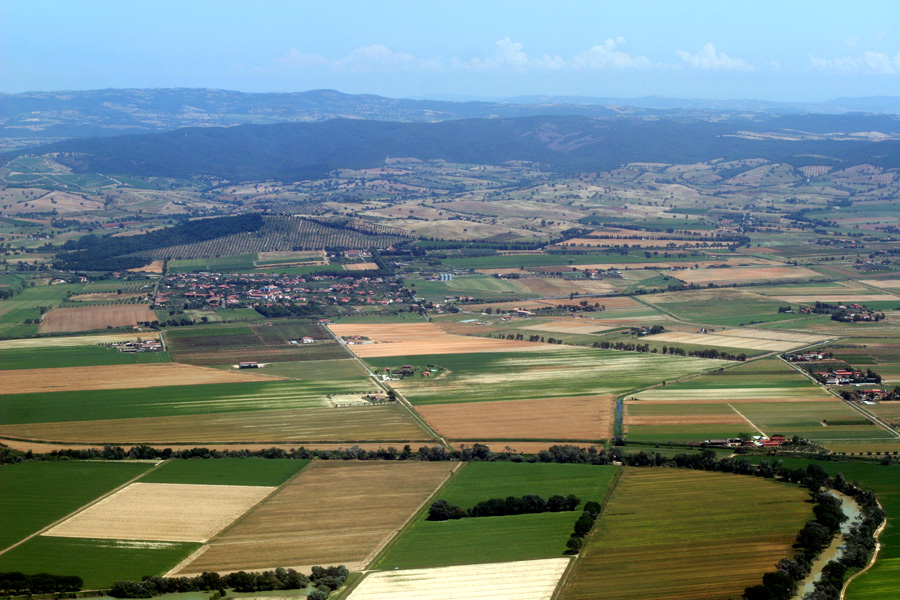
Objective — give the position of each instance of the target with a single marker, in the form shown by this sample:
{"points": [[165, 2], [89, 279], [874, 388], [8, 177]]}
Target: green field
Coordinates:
{"points": [[226, 471], [35, 494], [240, 263], [561, 371], [563, 260], [720, 307], [495, 539], [677, 534], [317, 369], [483, 287], [99, 563], [75, 356], [94, 405], [26, 305]]}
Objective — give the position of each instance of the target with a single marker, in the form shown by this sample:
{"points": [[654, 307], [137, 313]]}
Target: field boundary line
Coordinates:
{"points": [[84, 507], [872, 559], [206, 545], [188, 559], [567, 574], [382, 548], [741, 415]]}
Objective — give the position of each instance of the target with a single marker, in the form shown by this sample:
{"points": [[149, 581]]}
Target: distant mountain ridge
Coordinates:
{"points": [[297, 151], [38, 117]]}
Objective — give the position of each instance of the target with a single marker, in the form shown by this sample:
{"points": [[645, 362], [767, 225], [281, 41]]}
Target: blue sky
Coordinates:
{"points": [[788, 50]]}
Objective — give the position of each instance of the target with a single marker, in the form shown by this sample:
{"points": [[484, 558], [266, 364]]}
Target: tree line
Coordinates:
{"points": [[15, 583], [322, 580], [529, 504]]}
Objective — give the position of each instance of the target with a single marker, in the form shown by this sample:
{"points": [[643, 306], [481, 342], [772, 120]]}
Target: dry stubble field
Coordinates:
{"points": [[332, 513], [408, 339], [115, 377], [162, 512], [577, 418], [89, 318]]}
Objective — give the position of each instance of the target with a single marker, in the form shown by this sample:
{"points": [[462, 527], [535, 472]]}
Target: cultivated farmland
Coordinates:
{"points": [[343, 512], [524, 580], [88, 318], [668, 538]]}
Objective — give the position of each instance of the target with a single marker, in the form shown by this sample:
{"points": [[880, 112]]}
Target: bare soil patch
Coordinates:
{"points": [[407, 339], [114, 377], [163, 512], [75, 340], [332, 513], [95, 317], [576, 418], [365, 266], [155, 266], [573, 326], [840, 298]]}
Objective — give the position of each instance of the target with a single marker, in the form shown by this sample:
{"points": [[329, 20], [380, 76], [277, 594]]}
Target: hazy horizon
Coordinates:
{"points": [[778, 52]]}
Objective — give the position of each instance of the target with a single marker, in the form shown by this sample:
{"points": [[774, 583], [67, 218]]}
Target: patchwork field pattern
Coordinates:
{"points": [[576, 418], [668, 538], [163, 512], [736, 338], [89, 318], [524, 580], [408, 339], [333, 513]]}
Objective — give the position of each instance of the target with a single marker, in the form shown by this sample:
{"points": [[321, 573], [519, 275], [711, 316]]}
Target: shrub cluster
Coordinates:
{"points": [[583, 526], [529, 504], [15, 583]]}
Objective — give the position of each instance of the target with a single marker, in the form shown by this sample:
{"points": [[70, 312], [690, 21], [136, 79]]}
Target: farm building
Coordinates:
{"points": [[248, 365]]}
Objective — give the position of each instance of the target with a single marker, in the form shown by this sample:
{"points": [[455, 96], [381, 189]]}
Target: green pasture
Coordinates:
{"points": [[484, 287], [226, 471], [317, 369], [179, 400], [555, 372], [202, 331], [75, 356], [725, 308], [25, 305], [499, 539], [35, 494], [243, 263], [100, 563]]}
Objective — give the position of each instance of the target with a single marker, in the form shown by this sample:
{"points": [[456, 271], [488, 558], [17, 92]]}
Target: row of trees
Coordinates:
{"points": [[442, 510], [583, 526], [323, 580], [15, 583], [705, 353]]}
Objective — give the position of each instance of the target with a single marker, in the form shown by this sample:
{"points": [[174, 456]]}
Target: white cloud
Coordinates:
{"points": [[710, 58], [511, 55], [872, 63]]}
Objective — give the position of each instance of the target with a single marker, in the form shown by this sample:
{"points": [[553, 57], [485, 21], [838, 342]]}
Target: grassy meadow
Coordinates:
{"points": [[226, 471], [75, 356]]}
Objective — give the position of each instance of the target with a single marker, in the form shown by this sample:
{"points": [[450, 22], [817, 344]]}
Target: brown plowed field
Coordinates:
{"points": [[332, 513], [407, 339], [115, 377], [577, 418], [162, 512], [155, 266], [366, 266], [89, 318], [367, 423]]}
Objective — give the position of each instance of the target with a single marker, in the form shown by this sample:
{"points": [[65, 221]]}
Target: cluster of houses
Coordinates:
{"points": [[872, 396], [138, 345], [213, 290], [805, 357], [756, 441], [845, 376]]}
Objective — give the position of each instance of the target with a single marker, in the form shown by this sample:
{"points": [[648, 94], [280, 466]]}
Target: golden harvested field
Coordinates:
{"points": [[75, 340], [366, 266], [763, 334], [408, 339], [101, 297], [676, 534], [882, 283], [305, 425], [332, 513], [573, 326], [172, 512], [116, 377], [737, 393], [727, 341], [576, 418], [525, 580], [746, 274], [89, 318], [155, 266]]}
